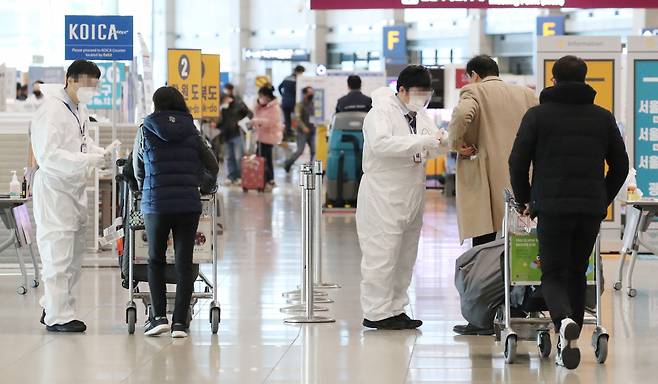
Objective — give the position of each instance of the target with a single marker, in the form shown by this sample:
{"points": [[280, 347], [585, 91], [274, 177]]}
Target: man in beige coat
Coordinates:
{"points": [[482, 132]]}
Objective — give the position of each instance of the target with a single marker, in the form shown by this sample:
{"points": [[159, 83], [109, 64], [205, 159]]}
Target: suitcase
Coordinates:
{"points": [[345, 157], [253, 173]]}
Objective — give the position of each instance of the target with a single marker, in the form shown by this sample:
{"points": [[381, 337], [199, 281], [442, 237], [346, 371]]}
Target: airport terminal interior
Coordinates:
{"points": [[305, 234]]}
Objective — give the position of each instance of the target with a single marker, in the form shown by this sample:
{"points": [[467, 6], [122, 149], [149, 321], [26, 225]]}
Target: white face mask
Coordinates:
{"points": [[417, 102], [85, 94]]}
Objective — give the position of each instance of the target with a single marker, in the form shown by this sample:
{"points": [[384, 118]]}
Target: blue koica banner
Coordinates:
{"points": [[395, 44], [646, 126], [103, 98], [98, 37]]}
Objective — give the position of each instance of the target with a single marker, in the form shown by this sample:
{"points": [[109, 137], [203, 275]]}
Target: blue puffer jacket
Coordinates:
{"points": [[172, 164]]}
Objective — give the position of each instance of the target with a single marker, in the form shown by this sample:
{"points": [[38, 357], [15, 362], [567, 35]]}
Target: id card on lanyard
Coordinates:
{"points": [[411, 120], [81, 126]]}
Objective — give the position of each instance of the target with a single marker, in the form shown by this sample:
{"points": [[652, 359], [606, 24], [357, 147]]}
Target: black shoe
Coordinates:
{"points": [[287, 168], [392, 323], [73, 326], [413, 324], [179, 331], [471, 330], [43, 317], [157, 326]]}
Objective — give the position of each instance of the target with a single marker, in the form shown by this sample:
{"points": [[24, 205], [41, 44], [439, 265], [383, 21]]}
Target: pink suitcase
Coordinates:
{"points": [[253, 173]]}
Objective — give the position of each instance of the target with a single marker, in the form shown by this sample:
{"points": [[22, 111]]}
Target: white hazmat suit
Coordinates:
{"points": [[64, 154], [390, 205]]}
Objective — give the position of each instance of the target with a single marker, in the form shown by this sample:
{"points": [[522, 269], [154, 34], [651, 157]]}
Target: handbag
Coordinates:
{"points": [[136, 218]]}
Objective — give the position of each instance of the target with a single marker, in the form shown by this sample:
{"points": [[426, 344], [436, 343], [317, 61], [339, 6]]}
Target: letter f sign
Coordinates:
{"points": [[392, 38]]}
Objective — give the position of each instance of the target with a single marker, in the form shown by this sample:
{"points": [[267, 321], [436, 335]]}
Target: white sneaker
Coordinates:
{"points": [[178, 331], [568, 353]]}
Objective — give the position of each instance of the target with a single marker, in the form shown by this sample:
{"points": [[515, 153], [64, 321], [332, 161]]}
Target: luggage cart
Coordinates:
{"points": [[14, 214], [209, 291], [536, 327], [639, 217]]}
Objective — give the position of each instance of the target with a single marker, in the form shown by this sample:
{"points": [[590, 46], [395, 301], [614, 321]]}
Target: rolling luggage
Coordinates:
{"points": [[344, 163], [253, 173]]}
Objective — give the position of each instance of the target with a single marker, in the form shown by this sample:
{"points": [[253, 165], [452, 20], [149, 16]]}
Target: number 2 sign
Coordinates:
{"points": [[184, 73]]}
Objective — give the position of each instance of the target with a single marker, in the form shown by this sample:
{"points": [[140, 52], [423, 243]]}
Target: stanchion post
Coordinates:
{"points": [[308, 189], [317, 233]]}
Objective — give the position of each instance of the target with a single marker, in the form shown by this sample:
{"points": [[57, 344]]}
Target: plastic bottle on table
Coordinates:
{"points": [[14, 187]]}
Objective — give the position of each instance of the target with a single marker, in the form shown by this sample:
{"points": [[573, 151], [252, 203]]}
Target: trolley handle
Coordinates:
{"points": [[509, 198]]}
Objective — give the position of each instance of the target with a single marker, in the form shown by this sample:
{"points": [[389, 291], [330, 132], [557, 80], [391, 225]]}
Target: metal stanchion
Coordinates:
{"points": [[317, 233], [309, 307]]}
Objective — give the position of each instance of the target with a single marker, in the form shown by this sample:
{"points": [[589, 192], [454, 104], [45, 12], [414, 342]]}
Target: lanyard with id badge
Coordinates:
{"points": [[411, 119], [83, 128]]}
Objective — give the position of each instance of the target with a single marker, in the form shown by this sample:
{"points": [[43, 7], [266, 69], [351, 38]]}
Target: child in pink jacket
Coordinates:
{"points": [[268, 128]]}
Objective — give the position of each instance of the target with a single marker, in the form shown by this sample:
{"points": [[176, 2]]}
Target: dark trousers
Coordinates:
{"points": [[484, 239], [184, 227], [287, 121], [302, 140], [565, 245], [265, 150]]}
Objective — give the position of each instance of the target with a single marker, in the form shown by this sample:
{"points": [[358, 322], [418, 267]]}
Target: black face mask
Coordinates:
{"points": [[37, 94], [309, 98]]}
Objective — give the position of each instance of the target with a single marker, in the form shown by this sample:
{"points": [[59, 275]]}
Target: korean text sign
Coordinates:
{"points": [[103, 98], [184, 74], [646, 126], [210, 85], [98, 37]]}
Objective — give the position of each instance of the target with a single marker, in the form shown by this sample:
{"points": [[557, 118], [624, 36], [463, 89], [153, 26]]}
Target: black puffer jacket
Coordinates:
{"points": [[568, 140]]}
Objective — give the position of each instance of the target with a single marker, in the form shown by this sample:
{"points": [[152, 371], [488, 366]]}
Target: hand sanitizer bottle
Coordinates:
{"points": [[14, 187]]}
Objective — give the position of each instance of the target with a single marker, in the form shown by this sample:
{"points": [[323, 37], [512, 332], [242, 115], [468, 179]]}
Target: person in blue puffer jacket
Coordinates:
{"points": [[170, 159]]}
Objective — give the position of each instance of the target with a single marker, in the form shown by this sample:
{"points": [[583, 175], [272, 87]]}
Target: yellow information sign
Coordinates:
{"points": [[184, 74], [601, 77], [262, 81], [210, 85]]}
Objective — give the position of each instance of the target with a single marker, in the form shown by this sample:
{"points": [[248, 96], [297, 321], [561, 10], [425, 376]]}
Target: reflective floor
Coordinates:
{"points": [[259, 261]]}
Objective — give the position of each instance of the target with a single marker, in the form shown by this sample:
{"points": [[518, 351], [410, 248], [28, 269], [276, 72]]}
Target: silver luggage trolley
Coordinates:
{"points": [[209, 291], [521, 268]]}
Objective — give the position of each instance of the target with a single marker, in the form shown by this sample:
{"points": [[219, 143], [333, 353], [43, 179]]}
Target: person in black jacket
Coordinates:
{"points": [[232, 110], [171, 160], [567, 140], [355, 100], [288, 91]]}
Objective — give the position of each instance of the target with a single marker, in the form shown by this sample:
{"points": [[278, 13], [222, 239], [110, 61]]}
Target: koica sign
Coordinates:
{"points": [[99, 37], [391, 4], [94, 32]]}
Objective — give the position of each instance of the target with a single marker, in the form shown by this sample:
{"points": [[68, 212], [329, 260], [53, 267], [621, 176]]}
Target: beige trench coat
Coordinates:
{"points": [[488, 116]]}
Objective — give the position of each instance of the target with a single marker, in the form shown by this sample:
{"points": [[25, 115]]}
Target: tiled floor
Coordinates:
{"points": [[259, 261]]}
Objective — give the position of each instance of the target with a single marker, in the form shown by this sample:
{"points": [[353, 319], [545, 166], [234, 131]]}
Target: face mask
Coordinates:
{"points": [[37, 94], [86, 94], [309, 97], [416, 103]]}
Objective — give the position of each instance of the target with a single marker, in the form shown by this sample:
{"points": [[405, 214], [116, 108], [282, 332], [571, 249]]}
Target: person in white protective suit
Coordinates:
{"points": [[399, 137], [64, 153]]}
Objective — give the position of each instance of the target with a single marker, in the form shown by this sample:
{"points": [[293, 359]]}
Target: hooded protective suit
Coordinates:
{"points": [[64, 154], [390, 204]]}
